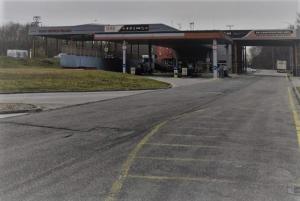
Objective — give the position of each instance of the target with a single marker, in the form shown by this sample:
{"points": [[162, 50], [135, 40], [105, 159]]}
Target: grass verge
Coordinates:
{"points": [[21, 76]]}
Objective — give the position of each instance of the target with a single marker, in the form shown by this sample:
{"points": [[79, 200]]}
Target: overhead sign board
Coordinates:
{"points": [[112, 28], [134, 28], [274, 32], [127, 28], [237, 34], [262, 34]]}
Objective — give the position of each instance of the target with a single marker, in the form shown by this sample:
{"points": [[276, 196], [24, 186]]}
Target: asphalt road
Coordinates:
{"points": [[226, 140]]}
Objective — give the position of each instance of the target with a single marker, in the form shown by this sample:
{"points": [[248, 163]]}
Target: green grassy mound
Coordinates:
{"points": [[44, 75]]}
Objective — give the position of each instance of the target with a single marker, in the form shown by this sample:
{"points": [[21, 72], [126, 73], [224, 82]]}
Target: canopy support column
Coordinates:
{"points": [[229, 56], [150, 56], [215, 58], [124, 56]]}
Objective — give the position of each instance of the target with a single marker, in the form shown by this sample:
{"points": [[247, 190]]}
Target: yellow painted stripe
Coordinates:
{"points": [[237, 163], [181, 145], [184, 159], [196, 136], [199, 179], [213, 147], [295, 114], [117, 185], [202, 179]]}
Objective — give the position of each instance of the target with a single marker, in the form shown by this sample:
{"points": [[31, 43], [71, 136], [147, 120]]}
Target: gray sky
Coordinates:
{"points": [[213, 14]]}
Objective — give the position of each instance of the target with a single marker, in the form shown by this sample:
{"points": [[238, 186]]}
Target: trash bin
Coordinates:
{"points": [[132, 70]]}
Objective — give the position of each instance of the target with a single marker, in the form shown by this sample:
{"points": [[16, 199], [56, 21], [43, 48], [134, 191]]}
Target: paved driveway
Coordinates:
{"points": [[48, 101], [227, 140]]}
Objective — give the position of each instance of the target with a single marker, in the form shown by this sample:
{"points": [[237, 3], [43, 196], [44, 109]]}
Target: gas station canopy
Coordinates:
{"points": [[156, 34]]}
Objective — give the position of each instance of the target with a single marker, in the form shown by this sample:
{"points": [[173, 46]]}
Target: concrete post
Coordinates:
{"points": [[244, 59], [33, 47], [207, 62], [124, 56], [246, 63], [215, 58], [138, 51], [175, 69], [46, 46], [57, 49], [295, 53], [291, 59], [229, 56], [150, 56]]}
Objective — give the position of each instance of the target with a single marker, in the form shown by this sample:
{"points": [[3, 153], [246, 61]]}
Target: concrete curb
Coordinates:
{"points": [[295, 90], [111, 90]]}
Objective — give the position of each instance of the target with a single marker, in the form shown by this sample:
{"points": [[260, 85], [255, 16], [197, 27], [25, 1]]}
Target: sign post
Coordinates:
{"points": [[124, 56]]}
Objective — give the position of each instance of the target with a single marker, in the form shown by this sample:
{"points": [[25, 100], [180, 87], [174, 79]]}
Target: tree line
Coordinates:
{"points": [[15, 36]]}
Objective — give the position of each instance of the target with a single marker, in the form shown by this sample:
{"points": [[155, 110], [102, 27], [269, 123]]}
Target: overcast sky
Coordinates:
{"points": [[209, 14]]}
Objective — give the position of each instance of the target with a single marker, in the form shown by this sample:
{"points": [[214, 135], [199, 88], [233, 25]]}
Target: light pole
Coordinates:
{"points": [[230, 26], [192, 26], [291, 26]]}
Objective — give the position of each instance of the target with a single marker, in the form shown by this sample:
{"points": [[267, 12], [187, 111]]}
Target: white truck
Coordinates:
{"points": [[281, 66], [17, 53]]}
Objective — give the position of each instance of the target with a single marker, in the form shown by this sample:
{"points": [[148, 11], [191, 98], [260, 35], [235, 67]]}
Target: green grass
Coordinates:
{"points": [[19, 76], [7, 62]]}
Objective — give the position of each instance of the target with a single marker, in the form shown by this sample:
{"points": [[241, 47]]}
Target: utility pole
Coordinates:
{"points": [[230, 26], [192, 26], [36, 21], [179, 26]]}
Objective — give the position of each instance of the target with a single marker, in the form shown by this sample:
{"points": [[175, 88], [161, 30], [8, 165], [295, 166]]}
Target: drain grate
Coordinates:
{"points": [[294, 189]]}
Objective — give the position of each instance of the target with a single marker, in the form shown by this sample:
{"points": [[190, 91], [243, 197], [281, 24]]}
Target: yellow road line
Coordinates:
{"points": [[196, 136], [117, 185], [204, 128], [201, 179], [184, 159], [213, 147], [237, 163], [295, 115], [181, 145]]}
